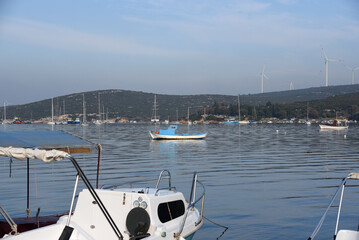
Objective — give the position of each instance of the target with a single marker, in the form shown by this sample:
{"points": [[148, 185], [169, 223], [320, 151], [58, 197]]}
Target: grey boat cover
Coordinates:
{"points": [[47, 140]]}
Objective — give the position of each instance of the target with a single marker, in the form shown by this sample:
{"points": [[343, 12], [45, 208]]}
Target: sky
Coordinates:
{"points": [[54, 48]]}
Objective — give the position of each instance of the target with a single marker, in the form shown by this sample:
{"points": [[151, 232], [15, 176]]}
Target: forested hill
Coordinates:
{"points": [[300, 95], [139, 105]]}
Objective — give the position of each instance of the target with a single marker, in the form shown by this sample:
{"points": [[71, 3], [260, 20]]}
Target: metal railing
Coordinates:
{"points": [[341, 191], [144, 180], [9, 220], [160, 178], [192, 203]]}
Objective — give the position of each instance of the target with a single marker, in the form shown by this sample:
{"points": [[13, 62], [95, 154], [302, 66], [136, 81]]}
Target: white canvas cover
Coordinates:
{"points": [[354, 175], [24, 153]]}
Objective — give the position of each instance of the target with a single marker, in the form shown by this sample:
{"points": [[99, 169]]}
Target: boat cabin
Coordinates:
{"points": [[171, 130]]}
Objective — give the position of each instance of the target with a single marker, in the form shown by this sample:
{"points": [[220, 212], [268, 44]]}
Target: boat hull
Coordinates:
{"points": [[156, 136], [328, 127]]}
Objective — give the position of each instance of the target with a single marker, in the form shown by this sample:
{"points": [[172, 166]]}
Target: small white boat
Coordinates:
{"points": [[112, 213], [337, 125], [341, 234], [98, 122], [170, 134], [230, 121]]}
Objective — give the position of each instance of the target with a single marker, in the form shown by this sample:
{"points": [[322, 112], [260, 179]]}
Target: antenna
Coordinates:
{"points": [[326, 66], [353, 70]]}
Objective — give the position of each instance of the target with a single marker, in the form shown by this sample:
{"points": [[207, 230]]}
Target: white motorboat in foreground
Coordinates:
{"points": [[170, 134], [341, 234], [129, 213], [337, 125]]}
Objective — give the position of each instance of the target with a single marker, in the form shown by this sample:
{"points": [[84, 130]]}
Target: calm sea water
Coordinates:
{"points": [[262, 181]]}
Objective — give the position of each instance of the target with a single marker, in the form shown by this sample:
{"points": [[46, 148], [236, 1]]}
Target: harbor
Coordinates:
{"points": [[263, 181], [179, 120]]}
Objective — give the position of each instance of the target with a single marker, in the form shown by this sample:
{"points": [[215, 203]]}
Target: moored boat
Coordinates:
{"points": [[230, 121], [113, 212], [336, 125], [170, 134], [244, 122]]}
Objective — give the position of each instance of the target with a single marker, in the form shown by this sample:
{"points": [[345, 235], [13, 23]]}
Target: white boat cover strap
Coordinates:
{"points": [[24, 153], [354, 175]]}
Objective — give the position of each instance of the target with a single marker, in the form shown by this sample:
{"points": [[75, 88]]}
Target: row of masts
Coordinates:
{"points": [[156, 119], [84, 114]]}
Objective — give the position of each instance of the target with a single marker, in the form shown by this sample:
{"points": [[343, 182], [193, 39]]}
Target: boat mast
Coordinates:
{"points": [[188, 115], [307, 111], [84, 109], [99, 107], [4, 113], [52, 109], [103, 112], [155, 108], [239, 110]]}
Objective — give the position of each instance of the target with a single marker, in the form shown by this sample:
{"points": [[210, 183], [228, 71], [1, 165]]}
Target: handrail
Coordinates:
{"points": [[9, 220], [317, 228], [160, 177], [192, 205], [166, 188], [139, 181]]}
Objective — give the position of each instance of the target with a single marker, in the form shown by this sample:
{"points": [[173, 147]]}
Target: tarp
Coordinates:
{"points": [[24, 153], [58, 140]]}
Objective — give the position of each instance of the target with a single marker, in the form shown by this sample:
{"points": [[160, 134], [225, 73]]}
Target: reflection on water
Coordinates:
{"points": [[262, 181], [171, 149]]}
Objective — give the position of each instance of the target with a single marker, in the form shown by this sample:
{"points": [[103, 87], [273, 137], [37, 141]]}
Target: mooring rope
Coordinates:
{"points": [[219, 225]]}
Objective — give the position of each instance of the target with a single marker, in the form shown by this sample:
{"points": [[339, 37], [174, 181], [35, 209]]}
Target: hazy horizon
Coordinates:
{"points": [[55, 48]]}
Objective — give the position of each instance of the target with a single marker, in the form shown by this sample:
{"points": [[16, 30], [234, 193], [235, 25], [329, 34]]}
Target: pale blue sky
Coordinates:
{"points": [[53, 48]]}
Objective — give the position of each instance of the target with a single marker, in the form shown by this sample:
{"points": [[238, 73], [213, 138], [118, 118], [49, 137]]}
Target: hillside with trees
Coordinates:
{"points": [[342, 106], [135, 105]]}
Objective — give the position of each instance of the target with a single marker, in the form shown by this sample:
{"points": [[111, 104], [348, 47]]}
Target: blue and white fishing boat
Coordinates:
{"points": [[230, 121], [111, 212], [170, 134]]}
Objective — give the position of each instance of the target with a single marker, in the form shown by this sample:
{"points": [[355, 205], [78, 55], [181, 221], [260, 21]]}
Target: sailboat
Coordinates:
{"points": [[307, 121], [99, 122], [239, 114], [4, 120], [52, 113], [155, 119], [84, 120], [188, 121]]}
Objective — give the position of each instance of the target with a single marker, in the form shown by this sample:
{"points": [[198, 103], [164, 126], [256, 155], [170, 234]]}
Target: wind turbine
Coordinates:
{"points": [[353, 70], [291, 87], [326, 66], [262, 77]]}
